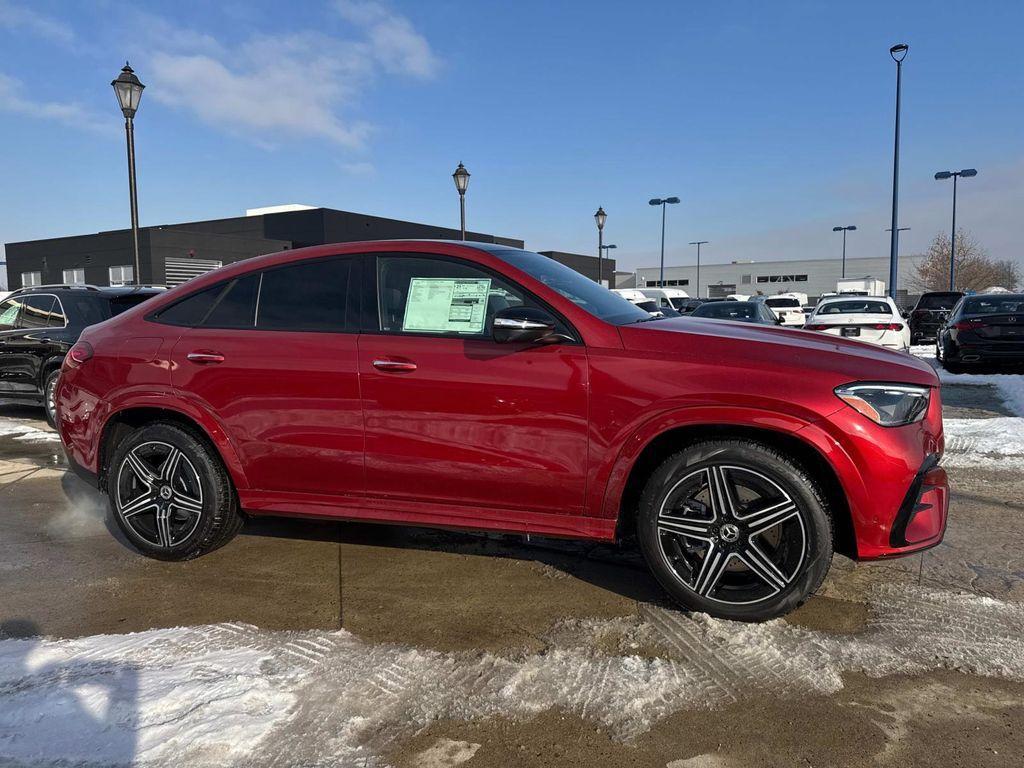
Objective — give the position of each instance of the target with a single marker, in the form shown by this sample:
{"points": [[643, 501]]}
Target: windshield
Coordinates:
{"points": [[739, 310], [782, 303], [648, 306], [855, 308], [677, 302], [991, 305], [938, 301], [580, 290]]}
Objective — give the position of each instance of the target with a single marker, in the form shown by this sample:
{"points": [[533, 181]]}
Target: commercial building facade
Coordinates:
{"points": [[811, 276], [173, 253]]}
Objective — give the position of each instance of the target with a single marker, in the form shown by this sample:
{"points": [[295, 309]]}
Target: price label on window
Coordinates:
{"points": [[443, 305]]}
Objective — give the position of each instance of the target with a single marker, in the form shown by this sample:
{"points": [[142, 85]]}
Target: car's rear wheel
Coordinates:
{"points": [[50, 397], [170, 494], [735, 529]]}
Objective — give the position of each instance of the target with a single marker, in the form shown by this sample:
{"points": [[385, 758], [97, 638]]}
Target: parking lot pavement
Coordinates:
{"points": [[492, 650]]}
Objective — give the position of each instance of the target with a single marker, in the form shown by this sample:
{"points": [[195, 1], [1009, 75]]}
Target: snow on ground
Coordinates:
{"points": [[20, 429], [232, 694]]}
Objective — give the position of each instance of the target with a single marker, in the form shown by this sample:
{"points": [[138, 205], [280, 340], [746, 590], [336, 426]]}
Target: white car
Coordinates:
{"points": [[874, 319], [788, 309], [633, 296]]}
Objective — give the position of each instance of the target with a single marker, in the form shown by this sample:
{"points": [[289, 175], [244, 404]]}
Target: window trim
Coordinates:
{"points": [[370, 316]]}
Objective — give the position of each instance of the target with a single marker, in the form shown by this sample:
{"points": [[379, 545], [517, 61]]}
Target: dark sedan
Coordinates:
{"points": [[930, 313], [740, 311], [983, 329]]}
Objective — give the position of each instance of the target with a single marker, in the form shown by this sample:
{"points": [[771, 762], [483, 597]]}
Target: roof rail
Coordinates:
{"points": [[80, 286]]}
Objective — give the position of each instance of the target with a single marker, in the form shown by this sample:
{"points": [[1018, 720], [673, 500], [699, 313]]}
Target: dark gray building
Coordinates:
{"points": [[585, 265], [173, 253]]}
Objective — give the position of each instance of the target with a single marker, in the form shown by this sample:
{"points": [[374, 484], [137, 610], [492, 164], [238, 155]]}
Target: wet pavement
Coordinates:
{"points": [[65, 571]]}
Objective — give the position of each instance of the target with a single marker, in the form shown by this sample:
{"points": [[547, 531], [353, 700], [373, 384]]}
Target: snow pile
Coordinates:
{"points": [[20, 429], [233, 695], [974, 442]]}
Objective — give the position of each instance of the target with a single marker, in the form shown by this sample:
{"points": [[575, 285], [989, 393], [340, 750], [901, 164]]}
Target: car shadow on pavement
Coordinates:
{"points": [[618, 568]]}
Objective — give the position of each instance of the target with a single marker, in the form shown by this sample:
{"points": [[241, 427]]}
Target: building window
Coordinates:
{"points": [[28, 279], [124, 275], [74, 277], [745, 279], [780, 279]]}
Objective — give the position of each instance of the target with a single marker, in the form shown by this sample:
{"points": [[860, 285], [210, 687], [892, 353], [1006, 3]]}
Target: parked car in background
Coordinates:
{"points": [[666, 297], [930, 313], [984, 328], [872, 319], [688, 305], [637, 298], [788, 307], [740, 311], [379, 381], [39, 325]]}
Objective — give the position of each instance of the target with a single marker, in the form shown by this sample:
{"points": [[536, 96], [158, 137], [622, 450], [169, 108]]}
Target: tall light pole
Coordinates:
{"points": [[662, 201], [608, 255], [698, 243], [844, 230], [129, 94], [461, 179], [600, 218], [942, 176], [898, 53]]}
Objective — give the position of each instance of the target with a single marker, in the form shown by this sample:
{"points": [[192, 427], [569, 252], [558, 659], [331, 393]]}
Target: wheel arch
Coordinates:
{"points": [[123, 422], [673, 439]]}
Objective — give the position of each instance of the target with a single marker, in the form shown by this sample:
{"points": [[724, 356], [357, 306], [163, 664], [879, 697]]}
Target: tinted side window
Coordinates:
{"points": [[191, 310], [310, 296], [420, 294], [236, 307], [84, 308], [36, 313], [9, 314], [119, 304]]}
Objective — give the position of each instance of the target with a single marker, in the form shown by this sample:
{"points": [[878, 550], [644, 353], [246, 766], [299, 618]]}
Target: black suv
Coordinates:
{"points": [[930, 314], [39, 325]]}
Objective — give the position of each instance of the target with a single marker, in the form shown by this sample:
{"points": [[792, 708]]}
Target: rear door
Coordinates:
{"points": [[274, 359], [454, 418], [9, 311], [29, 345]]}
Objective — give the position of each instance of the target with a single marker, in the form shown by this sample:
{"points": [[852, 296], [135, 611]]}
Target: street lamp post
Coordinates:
{"points": [[129, 94], [600, 218], [844, 230], [461, 179], [698, 243], [942, 176], [898, 53], [608, 255], [662, 201]]}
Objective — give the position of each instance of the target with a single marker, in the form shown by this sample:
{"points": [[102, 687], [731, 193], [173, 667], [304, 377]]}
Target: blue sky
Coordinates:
{"points": [[772, 121]]}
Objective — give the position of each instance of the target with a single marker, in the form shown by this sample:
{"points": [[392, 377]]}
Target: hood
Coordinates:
{"points": [[761, 347]]}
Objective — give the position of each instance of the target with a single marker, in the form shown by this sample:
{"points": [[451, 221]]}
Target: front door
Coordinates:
{"points": [[453, 417], [274, 358], [25, 348]]}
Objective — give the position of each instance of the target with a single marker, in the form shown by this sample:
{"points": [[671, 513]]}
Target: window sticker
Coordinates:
{"points": [[443, 305]]}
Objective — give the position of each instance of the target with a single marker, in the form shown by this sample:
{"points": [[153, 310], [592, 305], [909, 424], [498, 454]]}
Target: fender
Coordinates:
{"points": [[807, 431], [206, 421]]}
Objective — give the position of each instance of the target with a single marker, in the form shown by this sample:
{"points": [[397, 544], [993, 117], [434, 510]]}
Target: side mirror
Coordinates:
{"points": [[522, 324]]}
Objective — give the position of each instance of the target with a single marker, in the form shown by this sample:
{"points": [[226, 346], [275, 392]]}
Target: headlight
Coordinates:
{"points": [[890, 405]]}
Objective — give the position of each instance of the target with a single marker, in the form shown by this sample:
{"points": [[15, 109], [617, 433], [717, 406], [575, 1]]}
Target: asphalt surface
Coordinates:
{"points": [[66, 572]]}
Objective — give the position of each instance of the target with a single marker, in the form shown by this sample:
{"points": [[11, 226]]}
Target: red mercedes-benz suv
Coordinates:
{"points": [[479, 386]]}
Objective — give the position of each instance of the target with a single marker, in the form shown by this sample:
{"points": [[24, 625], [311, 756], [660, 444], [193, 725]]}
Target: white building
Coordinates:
{"points": [[811, 276]]}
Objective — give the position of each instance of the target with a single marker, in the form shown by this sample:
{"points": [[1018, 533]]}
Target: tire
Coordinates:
{"points": [[170, 494], [50, 397], [952, 367], [756, 537]]}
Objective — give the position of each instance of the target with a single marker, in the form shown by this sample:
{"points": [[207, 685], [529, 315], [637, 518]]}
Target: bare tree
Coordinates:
{"points": [[974, 270]]}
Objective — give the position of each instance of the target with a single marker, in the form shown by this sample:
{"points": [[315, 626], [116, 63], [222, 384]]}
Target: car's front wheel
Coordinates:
{"points": [[735, 529], [170, 494]]}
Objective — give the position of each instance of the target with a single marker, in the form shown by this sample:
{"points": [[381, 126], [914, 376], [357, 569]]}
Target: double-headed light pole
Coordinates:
{"points": [[461, 179], [662, 201], [698, 243], [942, 176], [129, 94], [844, 230], [898, 53], [606, 255]]}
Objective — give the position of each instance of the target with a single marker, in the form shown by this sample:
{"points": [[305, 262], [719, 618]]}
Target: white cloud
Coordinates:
{"points": [[20, 17], [393, 42], [297, 85], [13, 100]]}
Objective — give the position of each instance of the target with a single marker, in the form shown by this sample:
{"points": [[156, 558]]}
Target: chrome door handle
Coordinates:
{"points": [[204, 358], [395, 366]]}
